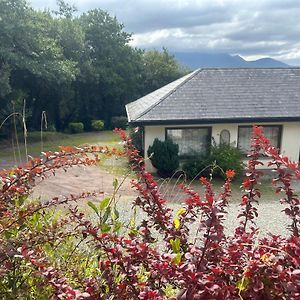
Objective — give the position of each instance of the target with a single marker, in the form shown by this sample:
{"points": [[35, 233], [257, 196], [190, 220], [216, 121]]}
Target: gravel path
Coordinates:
{"points": [[271, 218], [78, 179]]}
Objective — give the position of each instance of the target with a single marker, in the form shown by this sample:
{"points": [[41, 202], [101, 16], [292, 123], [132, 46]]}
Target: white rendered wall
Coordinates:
{"points": [[150, 133], [290, 143], [290, 140]]}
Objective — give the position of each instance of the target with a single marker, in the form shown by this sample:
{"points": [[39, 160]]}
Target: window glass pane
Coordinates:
{"points": [[244, 141], [270, 132], [191, 141]]}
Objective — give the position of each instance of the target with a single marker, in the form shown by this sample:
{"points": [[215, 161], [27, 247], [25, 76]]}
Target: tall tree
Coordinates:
{"points": [[74, 67], [160, 68], [114, 64], [30, 52]]}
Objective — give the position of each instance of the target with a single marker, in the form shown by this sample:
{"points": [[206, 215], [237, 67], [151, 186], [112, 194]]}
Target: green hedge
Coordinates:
{"points": [[97, 125], [76, 127], [119, 122]]}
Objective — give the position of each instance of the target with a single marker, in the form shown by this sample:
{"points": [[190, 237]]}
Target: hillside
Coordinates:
{"points": [[196, 60]]}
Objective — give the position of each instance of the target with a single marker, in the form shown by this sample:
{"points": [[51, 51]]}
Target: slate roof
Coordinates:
{"points": [[222, 95]]}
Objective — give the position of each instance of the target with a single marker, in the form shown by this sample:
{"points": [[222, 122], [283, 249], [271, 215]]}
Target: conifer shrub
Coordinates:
{"points": [[164, 157]]}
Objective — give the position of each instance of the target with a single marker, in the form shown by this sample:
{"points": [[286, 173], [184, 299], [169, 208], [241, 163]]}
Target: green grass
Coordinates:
{"points": [[52, 140], [117, 166], [266, 188]]}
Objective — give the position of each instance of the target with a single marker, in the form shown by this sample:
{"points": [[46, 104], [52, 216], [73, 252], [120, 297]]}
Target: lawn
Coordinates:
{"points": [[11, 155]]}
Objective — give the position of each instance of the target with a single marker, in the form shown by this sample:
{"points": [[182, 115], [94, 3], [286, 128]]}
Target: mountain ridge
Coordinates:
{"points": [[195, 60]]}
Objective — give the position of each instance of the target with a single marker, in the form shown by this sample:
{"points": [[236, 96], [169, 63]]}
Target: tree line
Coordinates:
{"points": [[74, 67]]}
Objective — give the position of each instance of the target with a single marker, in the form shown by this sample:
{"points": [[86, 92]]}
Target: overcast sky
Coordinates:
{"points": [[251, 28]]}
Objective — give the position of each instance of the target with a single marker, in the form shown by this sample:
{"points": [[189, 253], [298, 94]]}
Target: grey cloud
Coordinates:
{"points": [[39, 4], [249, 27], [144, 16], [268, 26]]}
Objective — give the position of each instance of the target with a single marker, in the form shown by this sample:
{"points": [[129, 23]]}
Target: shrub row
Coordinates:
{"points": [[76, 127], [164, 157], [118, 122], [98, 125]]}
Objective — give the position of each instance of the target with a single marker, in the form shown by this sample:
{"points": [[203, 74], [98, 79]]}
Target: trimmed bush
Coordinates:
{"points": [[164, 157], [119, 122], [97, 125], [76, 127]]}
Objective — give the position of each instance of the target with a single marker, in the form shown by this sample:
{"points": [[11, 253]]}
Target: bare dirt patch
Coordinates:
{"points": [[82, 179]]}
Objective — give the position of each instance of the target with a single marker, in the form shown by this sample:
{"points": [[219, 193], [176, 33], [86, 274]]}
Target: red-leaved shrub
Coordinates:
{"points": [[76, 257]]}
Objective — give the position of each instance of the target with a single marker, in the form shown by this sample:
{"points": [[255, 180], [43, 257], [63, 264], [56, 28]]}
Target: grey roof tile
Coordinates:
{"points": [[223, 94], [139, 107]]}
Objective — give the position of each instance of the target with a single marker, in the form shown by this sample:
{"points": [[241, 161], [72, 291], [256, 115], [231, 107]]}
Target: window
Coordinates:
{"points": [[225, 137], [273, 133], [191, 141]]}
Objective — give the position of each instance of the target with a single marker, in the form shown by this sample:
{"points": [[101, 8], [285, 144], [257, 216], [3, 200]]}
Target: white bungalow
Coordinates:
{"points": [[222, 104]]}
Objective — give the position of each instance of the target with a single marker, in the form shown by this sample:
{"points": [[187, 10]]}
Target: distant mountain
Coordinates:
{"points": [[194, 60]]}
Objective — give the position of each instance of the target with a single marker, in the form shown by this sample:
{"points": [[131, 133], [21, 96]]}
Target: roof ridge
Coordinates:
{"points": [[251, 68], [192, 74]]}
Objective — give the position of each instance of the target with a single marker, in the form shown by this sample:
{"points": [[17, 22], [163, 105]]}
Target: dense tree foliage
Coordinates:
{"points": [[160, 69], [76, 67]]}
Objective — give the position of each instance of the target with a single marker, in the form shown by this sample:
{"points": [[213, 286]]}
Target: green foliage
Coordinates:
{"points": [[226, 157], [65, 9], [119, 122], [73, 66], [113, 69], [5, 87], [97, 125], [76, 127], [222, 157], [57, 249], [161, 68], [29, 44], [136, 135], [164, 157], [200, 166]]}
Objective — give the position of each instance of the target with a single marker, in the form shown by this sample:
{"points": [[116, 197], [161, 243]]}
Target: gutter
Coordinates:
{"points": [[214, 121], [128, 117]]}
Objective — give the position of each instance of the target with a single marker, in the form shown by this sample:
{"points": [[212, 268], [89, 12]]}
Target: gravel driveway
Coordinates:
{"points": [[78, 179]]}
